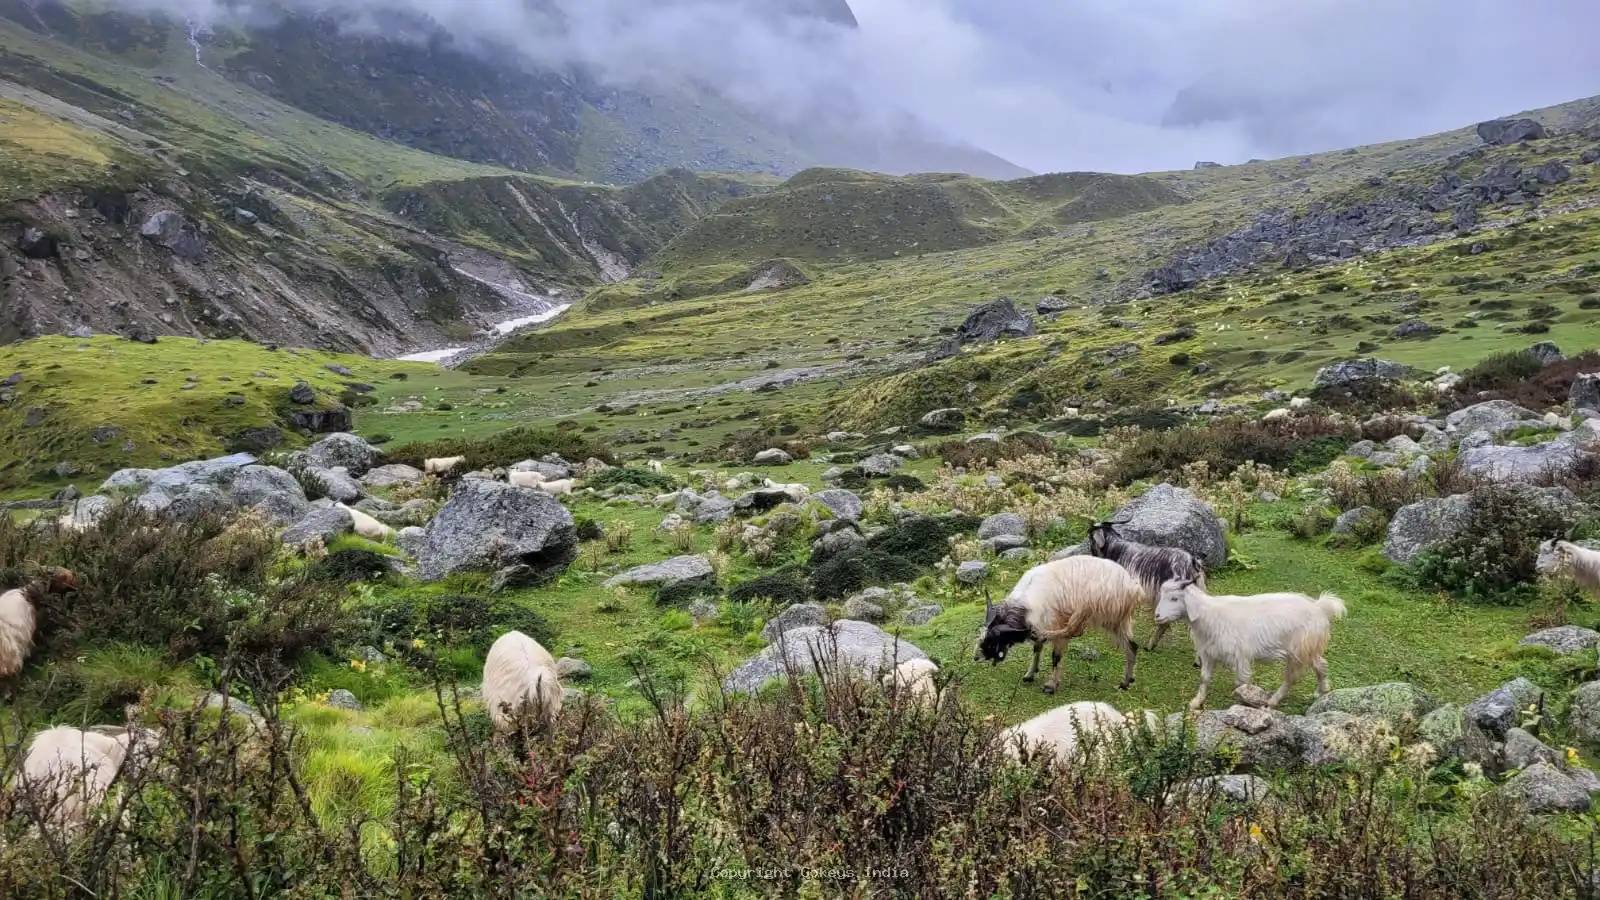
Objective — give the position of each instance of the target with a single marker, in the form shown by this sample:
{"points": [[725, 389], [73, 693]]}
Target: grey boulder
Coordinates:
{"points": [[1564, 639], [340, 449], [1398, 703], [1003, 523], [1493, 416], [666, 573], [320, 524], [1543, 788], [843, 504], [392, 475], [487, 526], [860, 648], [1353, 371], [1167, 516], [799, 615]]}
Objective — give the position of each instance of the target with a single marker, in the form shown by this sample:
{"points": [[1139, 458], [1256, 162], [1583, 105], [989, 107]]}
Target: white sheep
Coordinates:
{"points": [[655, 466], [18, 618], [1059, 601], [555, 488], [519, 675], [368, 527], [1060, 730], [527, 479], [1558, 557], [72, 769], [1299, 402], [442, 466], [914, 679], [1275, 415], [1238, 631]]}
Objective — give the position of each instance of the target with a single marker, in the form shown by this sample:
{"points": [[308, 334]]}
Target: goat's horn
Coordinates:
{"points": [[988, 606]]}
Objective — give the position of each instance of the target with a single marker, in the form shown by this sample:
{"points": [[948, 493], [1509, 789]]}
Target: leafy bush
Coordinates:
{"points": [[784, 588], [679, 593], [1491, 559], [644, 478], [502, 449], [911, 484], [588, 529], [452, 619], [1298, 445], [349, 566], [899, 553], [1520, 378], [973, 454]]}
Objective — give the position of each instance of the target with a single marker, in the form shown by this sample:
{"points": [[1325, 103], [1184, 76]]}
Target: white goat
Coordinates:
{"points": [[72, 770], [528, 479], [655, 466], [1059, 601], [1299, 402], [442, 466], [18, 618], [1558, 557], [1060, 729], [368, 527], [914, 679], [555, 488], [1238, 631], [519, 674], [1275, 415]]}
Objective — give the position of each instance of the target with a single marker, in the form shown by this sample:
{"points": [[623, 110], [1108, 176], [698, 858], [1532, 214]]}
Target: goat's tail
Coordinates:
{"points": [[1331, 606]]}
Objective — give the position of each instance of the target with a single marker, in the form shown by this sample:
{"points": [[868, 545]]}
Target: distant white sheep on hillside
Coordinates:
{"points": [[443, 465]]}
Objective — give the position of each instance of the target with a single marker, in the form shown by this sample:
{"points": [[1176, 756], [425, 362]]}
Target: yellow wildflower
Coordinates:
{"points": [[1572, 756], [358, 664], [1255, 832], [418, 643]]}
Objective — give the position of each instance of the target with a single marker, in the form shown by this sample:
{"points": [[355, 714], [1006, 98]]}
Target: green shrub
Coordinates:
{"points": [[451, 619], [644, 478], [1299, 445], [350, 565], [680, 593], [973, 454], [897, 554], [588, 529], [910, 484], [1491, 559], [1589, 303], [1520, 378], [782, 589], [502, 449]]}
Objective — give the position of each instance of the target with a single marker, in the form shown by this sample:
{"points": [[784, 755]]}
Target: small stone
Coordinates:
{"points": [[576, 669], [862, 610], [922, 615], [1253, 696], [340, 698], [972, 572]]}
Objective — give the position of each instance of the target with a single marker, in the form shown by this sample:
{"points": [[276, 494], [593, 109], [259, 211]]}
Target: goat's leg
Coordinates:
{"points": [[1130, 652], [1161, 632], [1293, 671], [1321, 667], [1199, 700], [1055, 667], [1033, 670]]}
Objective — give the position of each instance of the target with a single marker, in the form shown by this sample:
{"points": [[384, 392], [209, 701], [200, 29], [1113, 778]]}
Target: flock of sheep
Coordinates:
{"points": [[1051, 604]]}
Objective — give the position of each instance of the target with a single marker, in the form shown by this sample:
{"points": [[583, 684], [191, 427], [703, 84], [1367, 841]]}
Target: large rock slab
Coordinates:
{"points": [[392, 475], [1398, 703], [1493, 416], [355, 455], [320, 524], [861, 648], [1585, 720], [666, 573], [1528, 465], [1167, 516], [1003, 524], [843, 504], [1564, 639], [1354, 371], [488, 526]]}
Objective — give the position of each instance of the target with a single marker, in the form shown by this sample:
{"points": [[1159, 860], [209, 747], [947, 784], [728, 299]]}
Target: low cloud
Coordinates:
{"points": [[1053, 85]]}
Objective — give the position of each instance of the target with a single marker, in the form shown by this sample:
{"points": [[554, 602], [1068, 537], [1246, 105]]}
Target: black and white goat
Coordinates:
{"points": [[1150, 566]]}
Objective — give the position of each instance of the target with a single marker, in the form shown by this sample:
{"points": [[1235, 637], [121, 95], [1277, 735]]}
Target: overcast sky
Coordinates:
{"points": [[1056, 85]]}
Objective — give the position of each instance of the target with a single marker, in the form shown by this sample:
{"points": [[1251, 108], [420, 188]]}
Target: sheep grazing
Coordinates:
{"points": [[368, 527], [1152, 566], [519, 675], [555, 488], [1300, 403], [442, 466], [72, 770], [655, 466], [913, 678], [18, 618], [524, 479], [1275, 415], [1057, 602], [1564, 557], [1060, 729], [1238, 631]]}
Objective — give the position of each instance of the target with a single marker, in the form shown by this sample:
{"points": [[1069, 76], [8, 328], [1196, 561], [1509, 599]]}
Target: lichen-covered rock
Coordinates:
{"points": [[1444, 728], [1500, 710], [772, 457], [972, 572], [410, 540], [843, 504], [863, 610], [1345, 525], [858, 647], [270, 491], [921, 615], [1542, 788], [1564, 639], [320, 524], [713, 510], [1168, 516], [1522, 750], [1424, 524], [666, 573], [577, 669], [1352, 371], [949, 419], [1398, 703], [799, 615], [339, 698], [1003, 524], [1493, 416], [1265, 740], [486, 527], [880, 464], [336, 484], [1585, 721], [1585, 393], [392, 475], [1246, 789], [340, 449]]}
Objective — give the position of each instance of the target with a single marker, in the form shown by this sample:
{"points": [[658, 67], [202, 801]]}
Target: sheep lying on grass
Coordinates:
{"points": [[1565, 557], [1057, 602], [914, 679], [519, 676], [18, 618], [442, 466], [72, 770], [1153, 566], [1060, 730], [1238, 631]]}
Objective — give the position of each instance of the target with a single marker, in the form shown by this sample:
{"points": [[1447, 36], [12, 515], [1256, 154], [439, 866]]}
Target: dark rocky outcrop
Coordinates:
{"points": [[1502, 132]]}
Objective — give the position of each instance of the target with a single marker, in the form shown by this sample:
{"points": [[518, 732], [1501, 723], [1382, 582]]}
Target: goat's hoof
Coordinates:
{"points": [[1028, 678], [1125, 685], [1049, 689]]}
